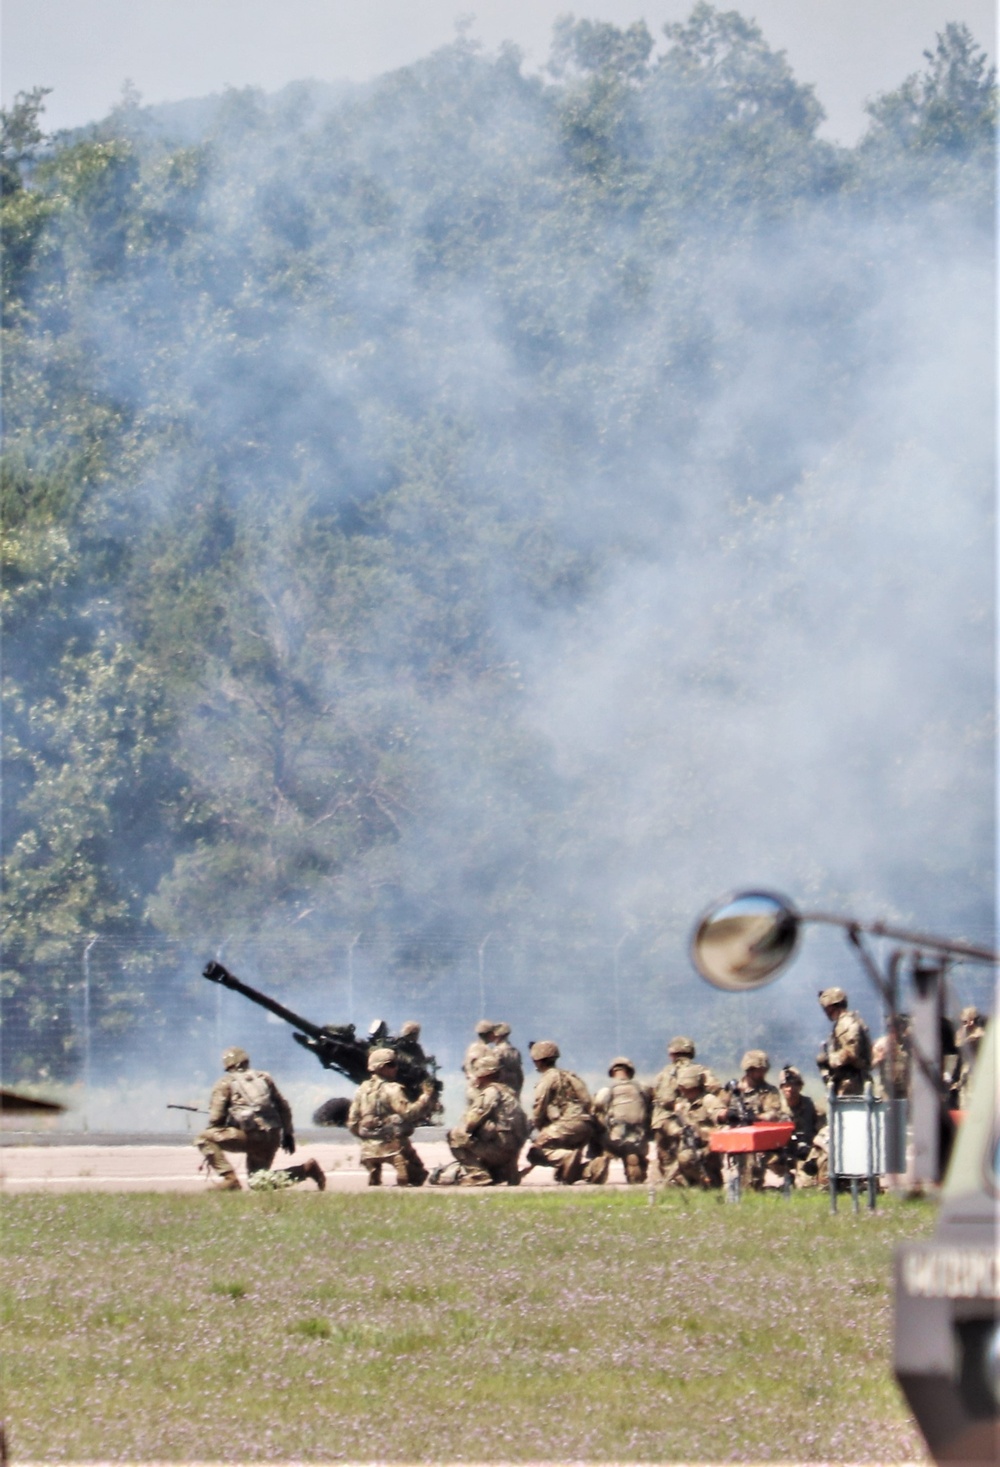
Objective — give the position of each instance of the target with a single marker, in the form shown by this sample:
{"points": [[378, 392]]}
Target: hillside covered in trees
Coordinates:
{"points": [[456, 527]]}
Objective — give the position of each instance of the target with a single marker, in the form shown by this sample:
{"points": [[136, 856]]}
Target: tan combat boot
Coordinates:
{"points": [[228, 1182]]}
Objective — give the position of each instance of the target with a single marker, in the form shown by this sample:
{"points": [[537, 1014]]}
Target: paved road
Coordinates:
{"points": [[91, 1166]]}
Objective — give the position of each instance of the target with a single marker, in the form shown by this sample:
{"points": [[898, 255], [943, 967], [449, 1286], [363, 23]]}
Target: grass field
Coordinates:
{"points": [[498, 1326]]}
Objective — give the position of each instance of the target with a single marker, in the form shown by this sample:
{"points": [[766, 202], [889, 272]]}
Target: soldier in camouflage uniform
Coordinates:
{"points": [[752, 1099], [480, 1047], [846, 1057], [562, 1116], [968, 1037], [800, 1159], [696, 1113], [621, 1113], [383, 1119], [511, 1067], [248, 1113], [891, 1057], [487, 1141], [681, 1052]]}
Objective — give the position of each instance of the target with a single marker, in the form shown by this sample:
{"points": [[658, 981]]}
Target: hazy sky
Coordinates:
{"points": [[172, 49]]}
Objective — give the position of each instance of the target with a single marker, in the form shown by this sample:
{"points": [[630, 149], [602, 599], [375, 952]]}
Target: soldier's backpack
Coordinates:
{"points": [[626, 1108], [251, 1102], [509, 1119]]}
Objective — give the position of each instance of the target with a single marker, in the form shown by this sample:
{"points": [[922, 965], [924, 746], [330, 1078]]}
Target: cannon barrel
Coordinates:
{"points": [[337, 1047]]}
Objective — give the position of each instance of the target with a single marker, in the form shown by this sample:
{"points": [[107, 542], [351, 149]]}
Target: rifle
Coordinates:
{"points": [[195, 1109], [739, 1112], [337, 1046]]}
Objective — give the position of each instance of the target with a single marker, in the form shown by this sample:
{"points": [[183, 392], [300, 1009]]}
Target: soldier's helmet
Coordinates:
{"points": [[690, 1076], [755, 1059], [621, 1062], [379, 1058], [487, 1064], [791, 1076], [235, 1058], [830, 996], [502, 1031], [544, 1049], [485, 1027], [410, 1030], [681, 1045]]}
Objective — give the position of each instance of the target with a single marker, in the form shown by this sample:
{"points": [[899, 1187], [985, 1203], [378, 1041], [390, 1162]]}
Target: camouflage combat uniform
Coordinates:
{"points": [[246, 1113], [748, 1103], [382, 1118], [846, 1057], [688, 1128], [621, 1115], [480, 1048], [487, 1142], [802, 1158], [511, 1068], [561, 1114]]}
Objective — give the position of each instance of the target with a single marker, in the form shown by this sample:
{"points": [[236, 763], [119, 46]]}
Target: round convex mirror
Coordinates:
{"points": [[745, 941]]}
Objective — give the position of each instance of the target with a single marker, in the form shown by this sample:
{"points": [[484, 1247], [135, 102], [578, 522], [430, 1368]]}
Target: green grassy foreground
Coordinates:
{"points": [[497, 1326]]}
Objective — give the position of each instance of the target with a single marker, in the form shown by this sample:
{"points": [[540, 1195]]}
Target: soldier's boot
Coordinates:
{"points": [[511, 1174], [597, 1169], [634, 1169], [416, 1172], [374, 1174], [535, 1156], [570, 1169], [402, 1171], [228, 1182], [475, 1176], [308, 1171]]}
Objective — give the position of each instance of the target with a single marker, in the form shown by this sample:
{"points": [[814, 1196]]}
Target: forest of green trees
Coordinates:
{"points": [[491, 508]]}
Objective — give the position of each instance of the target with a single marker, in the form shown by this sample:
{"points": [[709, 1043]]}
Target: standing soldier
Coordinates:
{"points": [[478, 1049], [562, 1116], [487, 1141], [846, 1058], [968, 1036], [696, 1114], [621, 1114], [383, 1120], [511, 1068], [752, 1099], [891, 1059], [247, 1112]]}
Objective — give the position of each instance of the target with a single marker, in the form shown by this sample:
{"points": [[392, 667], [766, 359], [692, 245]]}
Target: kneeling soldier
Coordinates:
{"points": [[621, 1111], [248, 1113], [383, 1119], [696, 1114], [488, 1141], [561, 1114]]}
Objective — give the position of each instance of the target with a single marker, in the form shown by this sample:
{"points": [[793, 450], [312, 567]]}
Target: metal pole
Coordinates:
{"points": [[86, 1033]]}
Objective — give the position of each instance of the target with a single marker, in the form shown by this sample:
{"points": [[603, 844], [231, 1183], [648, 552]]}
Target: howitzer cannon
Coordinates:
{"points": [[338, 1047]]}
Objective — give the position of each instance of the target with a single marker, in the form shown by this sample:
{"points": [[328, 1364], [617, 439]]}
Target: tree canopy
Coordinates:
{"points": [[492, 505]]}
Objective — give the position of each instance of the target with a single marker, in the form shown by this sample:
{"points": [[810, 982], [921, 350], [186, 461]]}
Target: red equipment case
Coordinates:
{"points": [[765, 1136]]}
